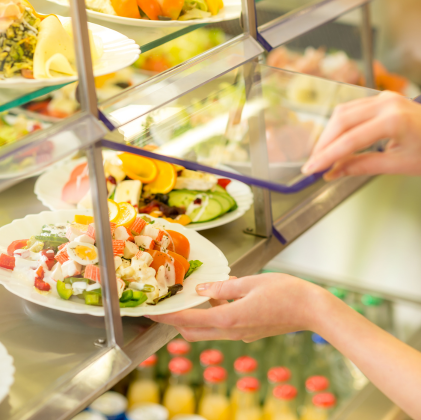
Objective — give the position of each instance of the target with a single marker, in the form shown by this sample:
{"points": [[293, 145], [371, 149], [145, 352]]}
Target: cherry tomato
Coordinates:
{"points": [[181, 243], [160, 258], [223, 182], [19, 244]]}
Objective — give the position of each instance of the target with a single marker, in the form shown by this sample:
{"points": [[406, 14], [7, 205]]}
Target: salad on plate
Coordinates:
{"points": [[154, 187], [151, 263]]}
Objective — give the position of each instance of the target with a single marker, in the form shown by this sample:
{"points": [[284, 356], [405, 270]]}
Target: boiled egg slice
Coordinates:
{"points": [[82, 252]]}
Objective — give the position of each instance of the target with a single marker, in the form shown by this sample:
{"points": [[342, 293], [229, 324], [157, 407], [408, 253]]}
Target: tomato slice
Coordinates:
{"points": [[224, 182], [7, 262], [180, 259], [160, 258], [181, 243], [19, 244]]}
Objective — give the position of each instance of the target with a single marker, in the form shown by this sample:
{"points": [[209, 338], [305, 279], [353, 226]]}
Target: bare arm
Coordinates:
{"points": [[271, 304]]}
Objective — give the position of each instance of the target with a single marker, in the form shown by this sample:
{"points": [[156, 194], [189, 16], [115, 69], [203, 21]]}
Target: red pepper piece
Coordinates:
{"points": [[223, 182], [6, 261], [39, 273], [19, 244], [41, 285]]}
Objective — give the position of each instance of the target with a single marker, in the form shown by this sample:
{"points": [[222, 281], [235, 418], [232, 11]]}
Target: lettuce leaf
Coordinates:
{"points": [[194, 265]]}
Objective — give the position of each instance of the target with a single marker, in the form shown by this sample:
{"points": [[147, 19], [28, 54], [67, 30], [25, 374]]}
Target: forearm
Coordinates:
{"points": [[393, 366]]}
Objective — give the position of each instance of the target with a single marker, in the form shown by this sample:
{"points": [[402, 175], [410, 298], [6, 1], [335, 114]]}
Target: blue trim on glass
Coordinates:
{"points": [[273, 186], [417, 99], [106, 121], [278, 236], [263, 42]]}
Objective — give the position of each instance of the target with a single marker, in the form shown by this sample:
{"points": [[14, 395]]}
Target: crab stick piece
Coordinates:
{"points": [[118, 247], [137, 226], [92, 273], [62, 256]]}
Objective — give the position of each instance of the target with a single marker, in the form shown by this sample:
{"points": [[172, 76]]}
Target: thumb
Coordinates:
{"points": [[224, 290], [365, 164]]}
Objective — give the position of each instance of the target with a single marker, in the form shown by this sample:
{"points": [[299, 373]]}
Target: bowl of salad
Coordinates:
{"points": [[51, 259]]}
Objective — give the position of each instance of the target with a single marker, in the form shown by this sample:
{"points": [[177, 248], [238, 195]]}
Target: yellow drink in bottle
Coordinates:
{"points": [[243, 366], [247, 398], [284, 406], [179, 396], [214, 404], [276, 376], [321, 407], [144, 389]]}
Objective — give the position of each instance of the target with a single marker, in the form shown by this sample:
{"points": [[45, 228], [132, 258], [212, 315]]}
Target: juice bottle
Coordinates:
{"points": [[214, 404], [211, 357], [144, 389], [178, 347], [321, 407], [314, 385], [276, 376], [248, 399], [284, 403], [179, 396], [244, 365]]}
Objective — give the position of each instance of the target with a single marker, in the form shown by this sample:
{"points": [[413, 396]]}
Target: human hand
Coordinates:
{"points": [[265, 305], [358, 124]]}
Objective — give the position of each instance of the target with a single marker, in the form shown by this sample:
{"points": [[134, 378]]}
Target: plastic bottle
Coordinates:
{"points": [[243, 366], [315, 385], [179, 396], [211, 357], [321, 407], [377, 311], [248, 399], [144, 389], [276, 376], [111, 404], [214, 404], [178, 347], [284, 407], [320, 364]]}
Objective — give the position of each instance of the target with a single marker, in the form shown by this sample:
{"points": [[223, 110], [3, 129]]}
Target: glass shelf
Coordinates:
{"points": [[211, 125]]}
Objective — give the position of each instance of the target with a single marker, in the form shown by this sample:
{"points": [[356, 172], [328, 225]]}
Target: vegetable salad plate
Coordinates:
{"points": [[55, 64], [7, 371], [57, 267], [50, 188], [230, 11]]}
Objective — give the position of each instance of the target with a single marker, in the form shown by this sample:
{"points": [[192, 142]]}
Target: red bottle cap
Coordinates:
{"points": [[248, 384], [279, 374], [150, 361], [285, 392], [211, 357], [324, 400], [178, 347], [317, 384], [215, 374], [180, 365], [245, 364]]}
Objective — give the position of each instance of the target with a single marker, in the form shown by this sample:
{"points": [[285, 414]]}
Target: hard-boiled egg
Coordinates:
{"points": [[82, 252]]}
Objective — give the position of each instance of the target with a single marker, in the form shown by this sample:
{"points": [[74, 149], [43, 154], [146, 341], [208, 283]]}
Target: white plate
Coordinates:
{"points": [[7, 371], [119, 52], [215, 268], [50, 184], [231, 10]]}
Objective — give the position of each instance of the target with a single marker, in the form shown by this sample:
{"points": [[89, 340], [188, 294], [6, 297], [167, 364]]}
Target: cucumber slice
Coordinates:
{"points": [[226, 196], [181, 198], [212, 210], [223, 200], [220, 190]]}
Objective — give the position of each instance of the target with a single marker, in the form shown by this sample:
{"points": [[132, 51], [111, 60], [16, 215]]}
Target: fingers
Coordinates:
{"points": [[203, 334], [365, 164], [356, 139], [224, 290], [187, 318], [345, 117]]}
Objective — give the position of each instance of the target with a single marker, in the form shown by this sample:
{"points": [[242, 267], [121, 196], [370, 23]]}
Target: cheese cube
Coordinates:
{"points": [[145, 242], [71, 268], [121, 233], [128, 191], [130, 250], [57, 273]]}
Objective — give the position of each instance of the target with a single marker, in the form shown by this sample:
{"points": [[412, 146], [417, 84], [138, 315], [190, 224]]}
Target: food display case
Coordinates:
{"points": [[219, 109]]}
